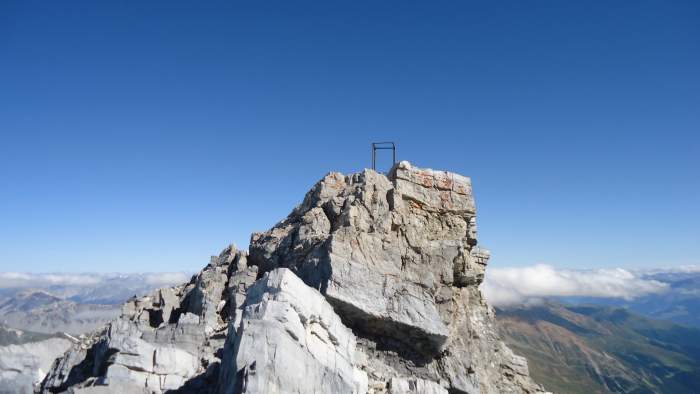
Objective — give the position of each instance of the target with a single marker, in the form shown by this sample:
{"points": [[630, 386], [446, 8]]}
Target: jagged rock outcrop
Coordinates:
{"points": [[397, 258], [22, 366], [171, 339], [369, 285], [290, 341]]}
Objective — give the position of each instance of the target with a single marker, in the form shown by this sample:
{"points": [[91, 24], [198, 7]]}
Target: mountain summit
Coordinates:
{"points": [[370, 285]]}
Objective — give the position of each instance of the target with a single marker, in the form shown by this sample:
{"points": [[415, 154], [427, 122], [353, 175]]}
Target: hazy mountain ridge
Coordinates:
{"points": [[74, 303], [33, 321], [572, 349], [14, 336], [88, 287], [39, 311], [584, 348], [679, 304], [596, 349], [667, 293]]}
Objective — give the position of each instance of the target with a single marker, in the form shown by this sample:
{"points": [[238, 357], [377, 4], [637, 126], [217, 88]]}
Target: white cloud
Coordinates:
{"points": [[523, 285], [19, 280], [167, 278], [683, 269]]}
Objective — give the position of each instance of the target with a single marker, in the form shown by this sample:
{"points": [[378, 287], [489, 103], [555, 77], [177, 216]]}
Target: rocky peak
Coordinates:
{"points": [[370, 285], [383, 249], [397, 257]]}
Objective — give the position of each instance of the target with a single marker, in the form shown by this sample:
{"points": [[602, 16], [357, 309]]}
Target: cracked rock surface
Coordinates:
{"points": [[290, 341], [370, 285]]}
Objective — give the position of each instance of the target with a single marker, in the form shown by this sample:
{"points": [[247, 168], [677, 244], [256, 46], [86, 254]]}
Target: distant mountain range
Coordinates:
{"points": [[89, 288], [680, 304], [41, 313], [13, 336], [650, 344], [599, 349], [72, 303]]}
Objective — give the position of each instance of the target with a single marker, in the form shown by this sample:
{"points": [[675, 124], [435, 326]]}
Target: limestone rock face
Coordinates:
{"points": [[397, 258], [290, 341], [370, 285]]}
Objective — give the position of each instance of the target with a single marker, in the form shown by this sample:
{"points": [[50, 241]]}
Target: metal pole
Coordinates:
{"points": [[374, 153], [383, 146]]}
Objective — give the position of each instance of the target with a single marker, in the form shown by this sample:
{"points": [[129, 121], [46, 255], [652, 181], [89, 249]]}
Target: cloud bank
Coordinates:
{"points": [[502, 287], [527, 285], [18, 280], [683, 269], [167, 278]]}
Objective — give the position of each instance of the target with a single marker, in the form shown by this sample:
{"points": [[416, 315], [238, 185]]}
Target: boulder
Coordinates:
{"points": [[290, 341]]}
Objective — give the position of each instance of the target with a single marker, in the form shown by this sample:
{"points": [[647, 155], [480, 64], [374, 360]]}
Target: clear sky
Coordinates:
{"points": [[145, 136]]}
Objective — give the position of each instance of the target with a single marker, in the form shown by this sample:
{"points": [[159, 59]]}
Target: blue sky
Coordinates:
{"points": [[145, 136]]}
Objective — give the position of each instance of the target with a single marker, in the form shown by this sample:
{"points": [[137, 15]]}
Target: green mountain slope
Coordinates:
{"points": [[594, 349]]}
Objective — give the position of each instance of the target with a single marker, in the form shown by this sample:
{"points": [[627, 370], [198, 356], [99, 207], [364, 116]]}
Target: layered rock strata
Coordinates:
{"points": [[370, 285]]}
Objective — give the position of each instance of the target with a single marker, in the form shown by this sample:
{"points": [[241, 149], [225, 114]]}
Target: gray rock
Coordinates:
{"points": [[168, 340], [290, 341], [24, 365], [418, 386], [361, 257], [370, 285], [397, 257]]}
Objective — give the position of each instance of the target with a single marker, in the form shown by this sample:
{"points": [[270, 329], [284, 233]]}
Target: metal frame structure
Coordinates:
{"points": [[386, 145]]}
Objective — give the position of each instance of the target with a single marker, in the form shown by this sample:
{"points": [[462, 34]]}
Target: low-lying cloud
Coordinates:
{"points": [[502, 287], [683, 269], [526, 285], [167, 278], [20, 280]]}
